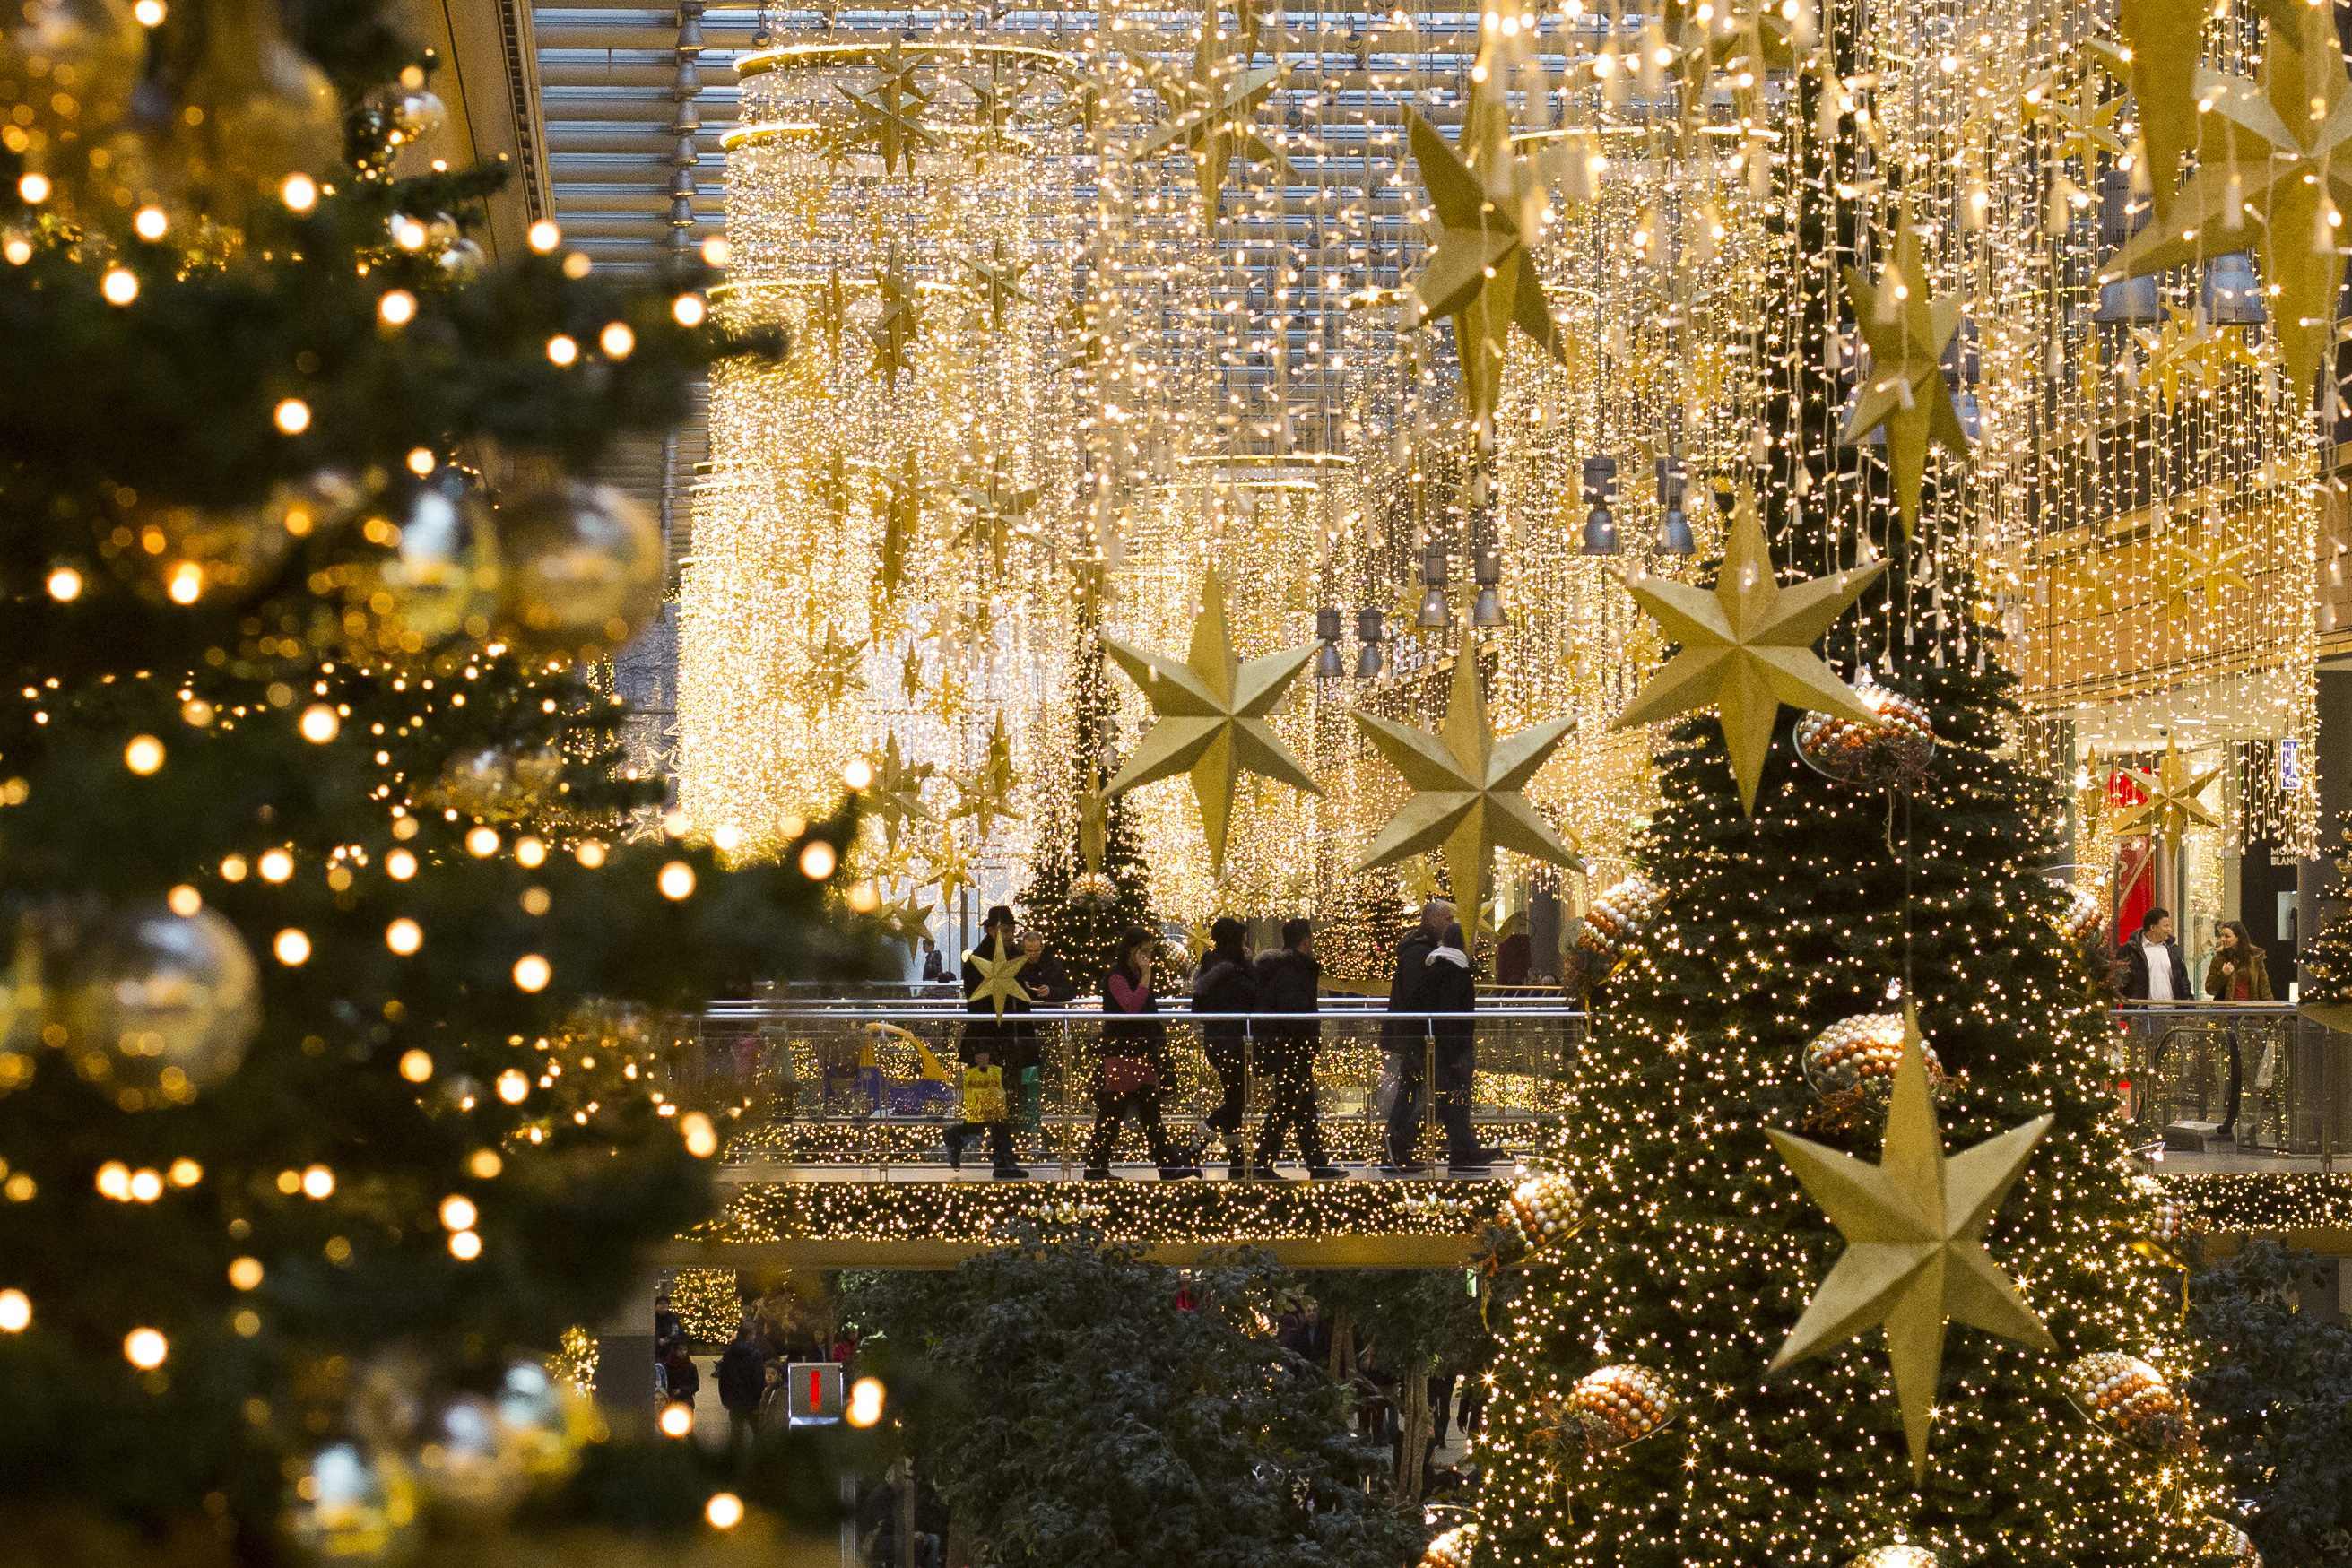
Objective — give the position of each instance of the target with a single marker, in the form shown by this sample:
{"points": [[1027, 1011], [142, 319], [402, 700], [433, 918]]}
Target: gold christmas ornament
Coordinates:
{"points": [[1899, 1555], [1864, 1051], [1542, 1211], [465, 1466], [1093, 890], [1213, 112], [1452, 1548], [1905, 392], [263, 111], [2129, 1396], [1616, 1406], [1469, 790], [1914, 1223], [1616, 921], [1894, 748], [2085, 914], [545, 1423], [353, 1504], [999, 977], [2229, 1544], [67, 71], [2173, 801], [1489, 203], [436, 578], [583, 573], [2270, 177], [161, 1005], [1746, 647], [1212, 717]]}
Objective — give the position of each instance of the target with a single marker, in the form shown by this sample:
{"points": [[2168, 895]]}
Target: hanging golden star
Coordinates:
{"points": [[894, 330], [2272, 162], [829, 314], [907, 919], [1747, 41], [1913, 1225], [1213, 112], [995, 506], [1906, 393], [1746, 647], [1469, 790], [2189, 348], [889, 114], [895, 799], [2166, 39], [2084, 129], [986, 794], [1212, 721], [951, 869], [998, 276], [1489, 203], [998, 984], [2172, 804], [901, 509]]}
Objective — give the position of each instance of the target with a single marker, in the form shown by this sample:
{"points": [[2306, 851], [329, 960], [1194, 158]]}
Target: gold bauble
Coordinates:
{"points": [[465, 1464], [437, 575], [2129, 1396], [1862, 1051], [497, 785], [1543, 1210], [1452, 1549], [1900, 1556], [266, 111], [352, 1505], [1613, 1406], [68, 69], [584, 569], [237, 549], [161, 1005]]}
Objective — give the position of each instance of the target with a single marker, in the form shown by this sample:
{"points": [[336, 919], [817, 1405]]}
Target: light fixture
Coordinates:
{"points": [[1328, 666], [1433, 614], [1372, 634], [1488, 569], [2232, 295], [1600, 523], [1673, 526], [2129, 300]]}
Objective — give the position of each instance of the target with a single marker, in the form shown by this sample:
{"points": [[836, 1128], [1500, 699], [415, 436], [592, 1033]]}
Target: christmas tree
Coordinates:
{"points": [[1080, 902], [1639, 1416], [2323, 965], [334, 1079]]}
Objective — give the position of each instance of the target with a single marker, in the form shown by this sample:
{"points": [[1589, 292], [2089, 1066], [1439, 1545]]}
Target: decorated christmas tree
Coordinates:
{"points": [[2323, 965], [1088, 882], [334, 1073], [1816, 1311]]}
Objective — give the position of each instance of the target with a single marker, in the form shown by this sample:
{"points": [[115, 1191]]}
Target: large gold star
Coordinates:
{"points": [[894, 328], [2272, 162], [1213, 112], [2165, 38], [1489, 203], [2172, 802], [1746, 647], [1908, 333], [889, 114], [1914, 1226], [895, 799], [1213, 713], [998, 983], [1469, 790]]}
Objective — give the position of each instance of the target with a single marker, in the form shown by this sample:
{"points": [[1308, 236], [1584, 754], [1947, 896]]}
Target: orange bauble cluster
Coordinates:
{"points": [[1895, 747], [1616, 1406], [1859, 1051], [2126, 1393], [1616, 921], [1543, 1210], [1452, 1549]]}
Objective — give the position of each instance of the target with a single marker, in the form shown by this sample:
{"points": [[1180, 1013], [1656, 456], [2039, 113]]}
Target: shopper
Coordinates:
{"points": [[984, 1110], [1225, 984], [680, 1381], [1289, 982], [1134, 1065], [1432, 976], [985, 1032], [2154, 970], [935, 964], [742, 1372], [2238, 971]]}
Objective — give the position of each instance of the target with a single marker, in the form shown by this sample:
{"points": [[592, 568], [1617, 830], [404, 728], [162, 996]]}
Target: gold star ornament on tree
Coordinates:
{"points": [[1915, 1261], [1746, 647], [1213, 711], [1905, 391], [1469, 790], [2173, 800]]}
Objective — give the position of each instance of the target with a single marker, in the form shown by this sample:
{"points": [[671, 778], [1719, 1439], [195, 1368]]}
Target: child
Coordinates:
{"points": [[983, 1108]]}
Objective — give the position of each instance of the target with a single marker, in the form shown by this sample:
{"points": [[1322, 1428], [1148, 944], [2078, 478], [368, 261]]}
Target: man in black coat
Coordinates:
{"points": [[2154, 970], [1433, 977], [1223, 984], [1288, 981]]}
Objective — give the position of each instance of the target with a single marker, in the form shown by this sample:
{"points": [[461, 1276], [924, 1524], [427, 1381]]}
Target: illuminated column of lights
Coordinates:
{"points": [[880, 545]]}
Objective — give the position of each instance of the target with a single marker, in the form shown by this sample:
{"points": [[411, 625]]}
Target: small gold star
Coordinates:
{"points": [[1906, 393], [997, 984]]}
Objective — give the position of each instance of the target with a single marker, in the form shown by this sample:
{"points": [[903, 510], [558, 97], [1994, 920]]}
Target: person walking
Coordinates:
{"points": [[984, 1105], [2154, 970], [987, 1035], [742, 1385], [1225, 984], [680, 1381], [935, 964], [2238, 971], [1134, 1063], [1422, 981], [1289, 982], [1451, 991]]}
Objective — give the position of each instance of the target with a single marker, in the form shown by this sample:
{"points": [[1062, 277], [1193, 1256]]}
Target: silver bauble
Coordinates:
{"points": [[545, 1422], [161, 1005], [414, 112], [463, 259], [463, 1461], [438, 575], [353, 1504], [585, 569]]}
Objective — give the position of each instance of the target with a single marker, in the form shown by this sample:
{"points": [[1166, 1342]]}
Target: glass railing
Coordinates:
{"points": [[2251, 1078], [868, 1081]]}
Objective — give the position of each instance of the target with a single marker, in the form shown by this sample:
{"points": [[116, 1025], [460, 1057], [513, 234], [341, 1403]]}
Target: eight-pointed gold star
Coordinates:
{"points": [[1489, 203], [998, 974], [1913, 1225], [1213, 713], [1469, 790], [2172, 802], [889, 114], [1908, 333], [2273, 158], [1746, 647], [1212, 113]]}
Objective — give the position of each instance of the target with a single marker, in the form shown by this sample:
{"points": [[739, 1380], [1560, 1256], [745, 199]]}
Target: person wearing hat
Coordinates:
{"points": [[988, 1036]]}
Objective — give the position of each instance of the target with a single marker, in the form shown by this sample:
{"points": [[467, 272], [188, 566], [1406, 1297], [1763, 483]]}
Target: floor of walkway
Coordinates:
{"points": [[750, 1173]]}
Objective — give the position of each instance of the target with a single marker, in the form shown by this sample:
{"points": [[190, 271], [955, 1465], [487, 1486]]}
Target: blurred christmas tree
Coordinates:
{"points": [[1088, 882], [331, 1067], [2323, 966]]}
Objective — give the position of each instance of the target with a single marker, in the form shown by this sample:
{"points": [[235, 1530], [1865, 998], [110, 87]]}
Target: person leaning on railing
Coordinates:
{"points": [[1288, 982]]}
